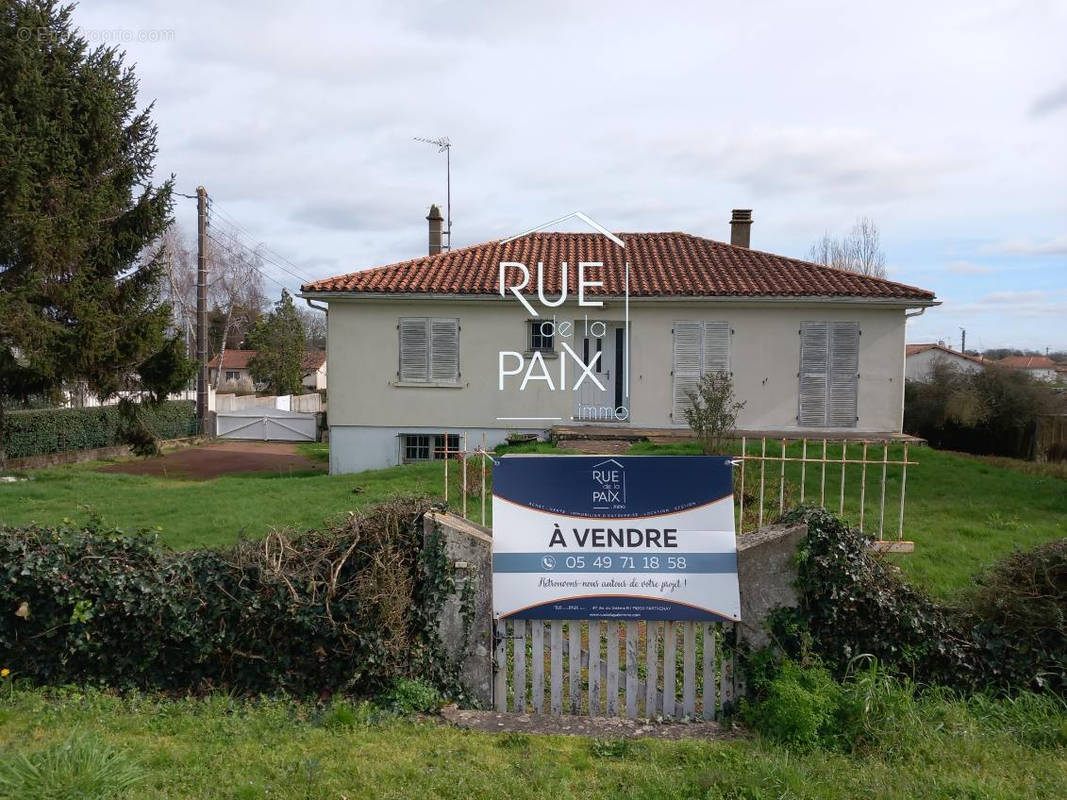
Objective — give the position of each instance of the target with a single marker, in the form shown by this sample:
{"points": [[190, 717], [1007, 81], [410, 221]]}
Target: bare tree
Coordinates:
{"points": [[860, 251], [314, 327], [180, 287], [236, 290]]}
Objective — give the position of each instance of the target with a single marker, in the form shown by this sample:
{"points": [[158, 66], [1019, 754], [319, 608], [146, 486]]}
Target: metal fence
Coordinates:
{"points": [[864, 481]]}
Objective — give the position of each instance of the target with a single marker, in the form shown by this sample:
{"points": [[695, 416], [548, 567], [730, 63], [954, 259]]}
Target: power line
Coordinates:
{"points": [[226, 217], [229, 249], [257, 252]]}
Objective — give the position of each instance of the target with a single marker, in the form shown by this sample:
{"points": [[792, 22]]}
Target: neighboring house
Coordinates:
{"points": [[1040, 368], [313, 370], [920, 360], [417, 348], [234, 367]]}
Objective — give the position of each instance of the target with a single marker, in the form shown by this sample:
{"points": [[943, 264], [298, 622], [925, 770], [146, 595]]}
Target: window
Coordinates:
{"points": [[429, 350], [233, 375], [541, 336], [829, 374], [699, 348], [428, 447]]}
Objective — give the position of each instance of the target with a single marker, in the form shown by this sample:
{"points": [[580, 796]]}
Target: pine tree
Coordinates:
{"points": [[278, 339], [79, 217]]}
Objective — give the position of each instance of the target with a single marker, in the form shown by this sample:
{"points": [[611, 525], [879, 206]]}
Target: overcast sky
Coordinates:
{"points": [[944, 122]]}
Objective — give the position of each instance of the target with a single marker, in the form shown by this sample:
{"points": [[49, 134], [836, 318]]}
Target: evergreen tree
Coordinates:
{"points": [[278, 339], [79, 216]]}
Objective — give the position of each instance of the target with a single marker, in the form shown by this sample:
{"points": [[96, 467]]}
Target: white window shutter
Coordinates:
{"points": [[444, 350], [414, 349], [844, 368], [716, 347], [687, 364], [814, 358]]}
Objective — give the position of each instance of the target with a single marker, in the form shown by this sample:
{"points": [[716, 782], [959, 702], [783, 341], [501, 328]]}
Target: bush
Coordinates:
{"points": [[990, 412], [411, 697], [1019, 612], [1009, 636], [344, 610], [712, 411], [57, 430], [798, 707]]}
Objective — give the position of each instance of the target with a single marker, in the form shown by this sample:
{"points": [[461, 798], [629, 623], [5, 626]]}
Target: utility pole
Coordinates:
{"points": [[202, 412]]}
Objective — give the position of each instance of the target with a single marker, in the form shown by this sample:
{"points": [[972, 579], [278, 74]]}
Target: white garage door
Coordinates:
{"points": [[267, 425]]}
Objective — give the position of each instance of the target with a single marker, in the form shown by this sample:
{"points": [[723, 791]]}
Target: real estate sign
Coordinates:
{"points": [[631, 537]]}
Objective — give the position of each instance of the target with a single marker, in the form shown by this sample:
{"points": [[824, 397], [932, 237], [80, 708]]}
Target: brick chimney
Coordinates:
{"points": [[436, 220], [741, 227]]}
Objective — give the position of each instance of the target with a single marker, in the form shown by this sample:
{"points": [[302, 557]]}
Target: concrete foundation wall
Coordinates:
{"points": [[766, 572], [354, 448]]}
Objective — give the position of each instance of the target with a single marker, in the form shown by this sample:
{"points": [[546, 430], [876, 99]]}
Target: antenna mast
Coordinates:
{"points": [[444, 146]]}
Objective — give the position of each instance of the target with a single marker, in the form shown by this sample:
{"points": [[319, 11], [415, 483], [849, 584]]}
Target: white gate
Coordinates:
{"points": [[267, 425], [674, 670]]}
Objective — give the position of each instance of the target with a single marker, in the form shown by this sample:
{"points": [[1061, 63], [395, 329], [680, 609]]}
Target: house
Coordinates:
{"points": [[1041, 368], [425, 350], [313, 370], [920, 359], [235, 368]]}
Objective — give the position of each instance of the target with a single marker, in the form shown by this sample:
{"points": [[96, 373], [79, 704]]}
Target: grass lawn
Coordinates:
{"points": [[962, 512], [204, 513], [221, 748]]}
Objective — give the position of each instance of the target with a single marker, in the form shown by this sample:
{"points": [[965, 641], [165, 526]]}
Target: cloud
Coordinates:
{"points": [[1027, 302], [1050, 102], [1055, 246], [968, 268]]}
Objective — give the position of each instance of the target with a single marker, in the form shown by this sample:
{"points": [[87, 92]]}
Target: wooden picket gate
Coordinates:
{"points": [[647, 670]]}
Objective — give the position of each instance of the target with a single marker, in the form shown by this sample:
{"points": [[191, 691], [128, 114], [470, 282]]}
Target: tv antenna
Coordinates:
{"points": [[444, 146]]}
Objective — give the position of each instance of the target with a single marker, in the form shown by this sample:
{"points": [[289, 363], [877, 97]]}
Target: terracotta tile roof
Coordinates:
{"points": [[661, 265], [313, 359], [1028, 362], [915, 349], [233, 359], [238, 359]]}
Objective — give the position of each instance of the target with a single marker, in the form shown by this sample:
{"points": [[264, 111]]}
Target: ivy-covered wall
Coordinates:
{"points": [[348, 609], [1007, 634]]}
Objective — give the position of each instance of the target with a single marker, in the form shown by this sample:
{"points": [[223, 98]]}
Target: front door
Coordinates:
{"points": [[593, 402]]}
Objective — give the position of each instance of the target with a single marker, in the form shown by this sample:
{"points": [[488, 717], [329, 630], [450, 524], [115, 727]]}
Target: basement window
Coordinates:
{"points": [[541, 336], [427, 447]]}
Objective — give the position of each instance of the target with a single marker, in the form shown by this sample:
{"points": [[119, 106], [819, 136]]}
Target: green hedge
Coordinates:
{"points": [[57, 430], [351, 609]]}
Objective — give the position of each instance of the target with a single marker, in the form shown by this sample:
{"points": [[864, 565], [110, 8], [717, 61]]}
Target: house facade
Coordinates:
{"points": [[233, 369], [920, 360], [313, 370], [426, 350]]}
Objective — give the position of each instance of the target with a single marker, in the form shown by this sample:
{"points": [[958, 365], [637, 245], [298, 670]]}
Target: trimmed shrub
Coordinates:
{"points": [[350, 609], [57, 430], [1007, 637]]}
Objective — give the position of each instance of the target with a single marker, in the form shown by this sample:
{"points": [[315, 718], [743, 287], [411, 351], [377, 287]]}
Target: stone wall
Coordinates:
{"points": [[470, 548]]}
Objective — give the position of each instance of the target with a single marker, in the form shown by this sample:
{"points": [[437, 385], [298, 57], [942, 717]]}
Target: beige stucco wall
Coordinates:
{"points": [[765, 353]]}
